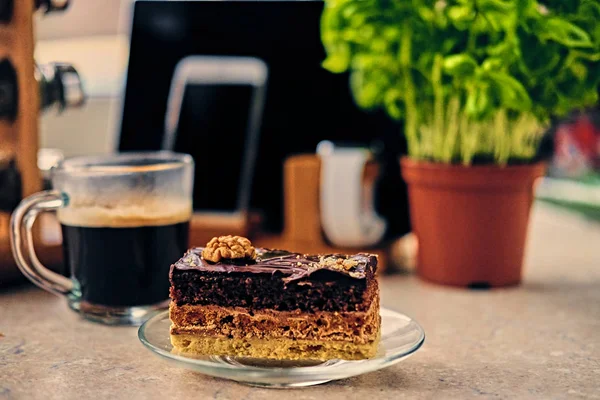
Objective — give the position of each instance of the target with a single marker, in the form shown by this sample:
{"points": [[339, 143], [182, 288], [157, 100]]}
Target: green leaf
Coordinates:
{"points": [[378, 46], [350, 10], [426, 13], [461, 16], [499, 15], [579, 71], [448, 44], [578, 54], [392, 33], [498, 6], [367, 87], [478, 102], [392, 101], [493, 64], [501, 49], [564, 32], [339, 59], [526, 7], [513, 94], [461, 65], [461, 13]]}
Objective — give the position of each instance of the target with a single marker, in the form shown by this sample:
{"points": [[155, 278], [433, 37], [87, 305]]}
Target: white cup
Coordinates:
{"points": [[348, 216]]}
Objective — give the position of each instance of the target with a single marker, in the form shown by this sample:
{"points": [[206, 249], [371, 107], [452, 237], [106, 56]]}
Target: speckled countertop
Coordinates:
{"points": [[540, 340]]}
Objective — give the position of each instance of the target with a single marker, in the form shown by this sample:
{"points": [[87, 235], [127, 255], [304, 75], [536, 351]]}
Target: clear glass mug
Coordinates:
{"points": [[124, 219]]}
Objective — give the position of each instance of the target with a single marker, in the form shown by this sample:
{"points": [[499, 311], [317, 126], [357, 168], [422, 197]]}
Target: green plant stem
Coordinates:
{"points": [[502, 142], [438, 107], [453, 126], [409, 92]]}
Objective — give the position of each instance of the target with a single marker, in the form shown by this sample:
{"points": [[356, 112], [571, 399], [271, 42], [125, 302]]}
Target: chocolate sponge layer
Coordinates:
{"points": [[324, 291]]}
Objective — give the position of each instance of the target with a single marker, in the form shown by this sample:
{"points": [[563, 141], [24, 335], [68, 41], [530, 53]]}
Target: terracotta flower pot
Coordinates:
{"points": [[471, 222]]}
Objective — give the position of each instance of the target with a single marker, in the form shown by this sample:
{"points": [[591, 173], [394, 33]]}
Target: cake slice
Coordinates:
{"points": [[229, 298]]}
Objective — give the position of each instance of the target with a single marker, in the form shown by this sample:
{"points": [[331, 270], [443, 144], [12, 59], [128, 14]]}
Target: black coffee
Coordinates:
{"points": [[124, 266]]}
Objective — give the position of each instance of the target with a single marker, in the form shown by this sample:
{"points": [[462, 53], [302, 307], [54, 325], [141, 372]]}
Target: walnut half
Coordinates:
{"points": [[228, 247]]}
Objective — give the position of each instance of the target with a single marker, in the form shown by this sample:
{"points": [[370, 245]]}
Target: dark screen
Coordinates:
{"points": [[304, 103], [213, 120]]}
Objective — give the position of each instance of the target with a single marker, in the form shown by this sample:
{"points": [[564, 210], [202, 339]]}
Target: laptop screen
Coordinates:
{"points": [[304, 103]]}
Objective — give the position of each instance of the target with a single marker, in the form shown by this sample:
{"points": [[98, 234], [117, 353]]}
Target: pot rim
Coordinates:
{"points": [[408, 162], [478, 177]]}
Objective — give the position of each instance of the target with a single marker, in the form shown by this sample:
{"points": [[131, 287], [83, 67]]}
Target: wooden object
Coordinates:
{"points": [[302, 221], [205, 226], [19, 139], [48, 246]]}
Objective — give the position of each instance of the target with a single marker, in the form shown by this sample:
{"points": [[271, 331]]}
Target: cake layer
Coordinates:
{"points": [[280, 348], [277, 280], [266, 291], [240, 323]]}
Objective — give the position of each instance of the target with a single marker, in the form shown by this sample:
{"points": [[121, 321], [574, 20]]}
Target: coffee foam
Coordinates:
{"points": [[131, 168], [126, 216]]}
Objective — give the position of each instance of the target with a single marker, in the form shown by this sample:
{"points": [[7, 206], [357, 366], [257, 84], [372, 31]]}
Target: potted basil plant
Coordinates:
{"points": [[476, 83]]}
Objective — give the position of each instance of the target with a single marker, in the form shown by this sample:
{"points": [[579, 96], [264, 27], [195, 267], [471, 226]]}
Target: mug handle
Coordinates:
{"points": [[21, 238]]}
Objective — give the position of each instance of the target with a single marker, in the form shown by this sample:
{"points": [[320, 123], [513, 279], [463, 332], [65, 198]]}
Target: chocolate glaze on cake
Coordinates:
{"points": [[294, 265]]}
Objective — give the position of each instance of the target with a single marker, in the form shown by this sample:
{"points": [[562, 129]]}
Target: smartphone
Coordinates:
{"points": [[214, 113]]}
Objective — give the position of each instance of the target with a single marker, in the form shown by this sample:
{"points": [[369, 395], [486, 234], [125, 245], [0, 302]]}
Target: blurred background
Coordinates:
{"points": [[304, 105], [93, 35], [128, 63]]}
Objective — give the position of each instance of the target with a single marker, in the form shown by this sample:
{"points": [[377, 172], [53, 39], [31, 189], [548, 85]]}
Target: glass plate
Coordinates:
{"points": [[400, 337]]}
